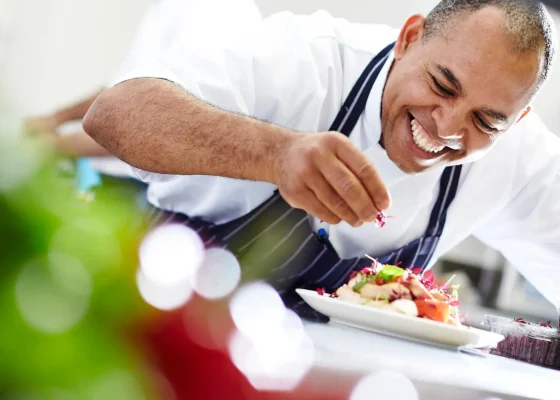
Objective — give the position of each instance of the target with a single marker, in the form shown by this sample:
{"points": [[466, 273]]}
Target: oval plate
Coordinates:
{"points": [[397, 325]]}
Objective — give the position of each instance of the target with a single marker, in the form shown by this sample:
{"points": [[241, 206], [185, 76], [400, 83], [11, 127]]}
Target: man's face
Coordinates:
{"points": [[449, 98]]}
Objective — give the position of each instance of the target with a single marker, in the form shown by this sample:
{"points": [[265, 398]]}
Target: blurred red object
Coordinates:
{"points": [[195, 372]]}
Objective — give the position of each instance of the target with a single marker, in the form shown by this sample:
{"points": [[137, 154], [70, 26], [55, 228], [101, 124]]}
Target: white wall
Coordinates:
{"points": [[55, 51]]}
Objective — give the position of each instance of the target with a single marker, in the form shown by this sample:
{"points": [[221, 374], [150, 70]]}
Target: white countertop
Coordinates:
{"points": [[351, 350]]}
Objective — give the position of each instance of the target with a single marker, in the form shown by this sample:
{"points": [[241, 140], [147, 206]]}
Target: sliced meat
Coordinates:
{"points": [[438, 295], [347, 294], [417, 289], [389, 291]]}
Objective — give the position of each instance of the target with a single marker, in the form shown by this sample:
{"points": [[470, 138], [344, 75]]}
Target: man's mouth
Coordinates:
{"points": [[423, 140]]}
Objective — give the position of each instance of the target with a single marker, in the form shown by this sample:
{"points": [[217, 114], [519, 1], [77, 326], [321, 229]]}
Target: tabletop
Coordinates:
{"points": [[431, 368]]}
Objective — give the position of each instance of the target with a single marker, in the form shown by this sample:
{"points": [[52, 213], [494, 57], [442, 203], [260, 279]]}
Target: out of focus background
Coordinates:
{"points": [[70, 301]]}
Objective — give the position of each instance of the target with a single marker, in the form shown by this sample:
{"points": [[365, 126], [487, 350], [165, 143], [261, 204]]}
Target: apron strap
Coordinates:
{"points": [[356, 101]]}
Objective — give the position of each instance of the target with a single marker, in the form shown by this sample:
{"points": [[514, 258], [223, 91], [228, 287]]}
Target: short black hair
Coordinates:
{"points": [[528, 22]]}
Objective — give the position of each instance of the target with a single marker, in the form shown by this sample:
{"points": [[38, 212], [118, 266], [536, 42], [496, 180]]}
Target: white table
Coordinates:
{"points": [[437, 373]]}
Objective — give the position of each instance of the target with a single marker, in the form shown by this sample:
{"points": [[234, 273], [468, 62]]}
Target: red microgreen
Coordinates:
{"points": [[465, 320], [454, 303], [381, 219], [520, 320], [321, 291], [546, 324], [367, 271], [352, 275], [428, 280]]}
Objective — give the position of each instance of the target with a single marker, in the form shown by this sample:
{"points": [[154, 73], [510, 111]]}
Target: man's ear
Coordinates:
{"points": [[525, 112], [410, 33]]}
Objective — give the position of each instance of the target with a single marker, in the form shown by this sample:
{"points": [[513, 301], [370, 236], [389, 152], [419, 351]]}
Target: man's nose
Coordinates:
{"points": [[450, 125]]}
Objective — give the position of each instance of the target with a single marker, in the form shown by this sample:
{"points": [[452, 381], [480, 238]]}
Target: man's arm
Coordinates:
{"points": [[79, 145], [76, 111], [50, 123], [154, 125]]}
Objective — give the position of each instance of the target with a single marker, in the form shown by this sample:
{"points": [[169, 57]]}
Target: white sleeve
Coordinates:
{"points": [[286, 66], [527, 230]]}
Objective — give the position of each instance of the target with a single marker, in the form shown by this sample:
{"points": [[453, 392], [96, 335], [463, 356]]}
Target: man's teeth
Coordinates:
{"points": [[423, 140]]}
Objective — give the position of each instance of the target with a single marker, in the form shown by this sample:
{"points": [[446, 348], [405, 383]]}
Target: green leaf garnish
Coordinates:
{"points": [[360, 284], [389, 272], [382, 297]]}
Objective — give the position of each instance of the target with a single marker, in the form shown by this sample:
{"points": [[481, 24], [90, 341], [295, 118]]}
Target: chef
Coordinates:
{"points": [[284, 146]]}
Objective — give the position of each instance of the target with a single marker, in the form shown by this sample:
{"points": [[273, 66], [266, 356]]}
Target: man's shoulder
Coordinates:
{"points": [[526, 150], [358, 37], [532, 134]]}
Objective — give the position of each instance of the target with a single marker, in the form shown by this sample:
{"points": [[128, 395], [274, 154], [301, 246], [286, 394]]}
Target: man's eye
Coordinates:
{"points": [[442, 89], [484, 125]]}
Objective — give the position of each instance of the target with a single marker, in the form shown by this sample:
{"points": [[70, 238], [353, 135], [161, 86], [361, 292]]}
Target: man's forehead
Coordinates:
{"points": [[497, 92], [487, 67]]}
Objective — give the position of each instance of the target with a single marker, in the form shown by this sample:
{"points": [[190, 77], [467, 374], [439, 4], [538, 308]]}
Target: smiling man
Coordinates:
{"points": [[430, 123]]}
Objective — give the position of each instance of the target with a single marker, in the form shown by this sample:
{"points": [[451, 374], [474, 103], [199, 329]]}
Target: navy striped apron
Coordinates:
{"points": [[275, 242]]}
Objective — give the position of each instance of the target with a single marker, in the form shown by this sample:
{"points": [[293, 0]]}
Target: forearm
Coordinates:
{"points": [[156, 126], [80, 145], [76, 111]]}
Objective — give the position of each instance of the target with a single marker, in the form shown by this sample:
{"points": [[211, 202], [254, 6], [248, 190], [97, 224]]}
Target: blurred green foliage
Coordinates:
{"points": [[67, 287]]}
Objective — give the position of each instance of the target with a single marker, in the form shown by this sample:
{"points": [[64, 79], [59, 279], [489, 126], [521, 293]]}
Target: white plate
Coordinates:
{"points": [[397, 325]]}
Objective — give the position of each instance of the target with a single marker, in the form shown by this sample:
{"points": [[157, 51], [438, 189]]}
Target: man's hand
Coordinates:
{"points": [[327, 176]]}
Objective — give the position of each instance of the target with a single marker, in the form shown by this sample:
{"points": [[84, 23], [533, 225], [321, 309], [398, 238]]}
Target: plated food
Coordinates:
{"points": [[408, 292]]}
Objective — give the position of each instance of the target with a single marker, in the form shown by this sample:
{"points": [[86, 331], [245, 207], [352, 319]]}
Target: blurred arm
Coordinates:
{"points": [[76, 111], [50, 123], [79, 145]]}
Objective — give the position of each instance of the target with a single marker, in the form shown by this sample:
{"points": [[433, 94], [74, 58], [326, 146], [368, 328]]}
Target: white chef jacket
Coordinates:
{"points": [[296, 71]]}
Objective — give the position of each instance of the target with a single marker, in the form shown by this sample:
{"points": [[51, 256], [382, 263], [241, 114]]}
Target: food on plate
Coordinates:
{"points": [[398, 290]]}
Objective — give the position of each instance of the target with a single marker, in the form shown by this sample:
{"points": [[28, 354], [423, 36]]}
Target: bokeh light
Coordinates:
{"points": [[163, 297], [257, 310], [270, 347], [53, 293], [170, 254], [218, 275], [385, 385]]}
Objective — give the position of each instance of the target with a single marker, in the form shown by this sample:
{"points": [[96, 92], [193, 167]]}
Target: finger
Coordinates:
{"points": [[328, 196], [366, 173], [350, 189], [316, 208]]}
